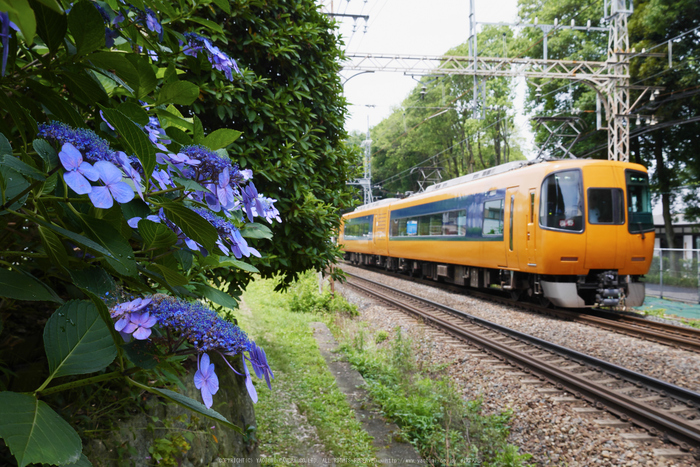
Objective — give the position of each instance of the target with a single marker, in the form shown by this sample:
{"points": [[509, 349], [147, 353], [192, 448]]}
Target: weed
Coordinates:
{"points": [[381, 337], [304, 397], [446, 429]]}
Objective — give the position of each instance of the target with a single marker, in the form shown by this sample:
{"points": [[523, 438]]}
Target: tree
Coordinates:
{"points": [[122, 215], [291, 113]]}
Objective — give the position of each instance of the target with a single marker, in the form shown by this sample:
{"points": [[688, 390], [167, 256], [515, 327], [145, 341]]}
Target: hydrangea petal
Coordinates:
{"points": [[142, 333], [89, 171], [101, 197], [77, 182], [121, 192], [70, 157], [109, 173]]}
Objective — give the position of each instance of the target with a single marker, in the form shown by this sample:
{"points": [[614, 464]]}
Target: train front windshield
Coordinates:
{"points": [[561, 202], [638, 202]]}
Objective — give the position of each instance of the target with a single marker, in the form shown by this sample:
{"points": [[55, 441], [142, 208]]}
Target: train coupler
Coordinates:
{"points": [[608, 291]]}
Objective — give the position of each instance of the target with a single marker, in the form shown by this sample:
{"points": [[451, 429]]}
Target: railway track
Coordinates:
{"points": [[661, 408], [662, 333]]}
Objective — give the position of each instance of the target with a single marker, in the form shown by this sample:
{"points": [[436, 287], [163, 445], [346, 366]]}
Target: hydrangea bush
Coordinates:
{"points": [[118, 212]]}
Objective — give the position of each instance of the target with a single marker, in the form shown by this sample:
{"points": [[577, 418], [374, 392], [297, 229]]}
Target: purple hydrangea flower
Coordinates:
{"points": [[5, 35], [152, 21], [84, 140], [77, 171], [229, 236], [205, 379], [218, 59], [113, 190]]}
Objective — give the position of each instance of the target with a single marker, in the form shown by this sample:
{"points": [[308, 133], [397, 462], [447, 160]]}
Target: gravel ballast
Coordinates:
{"points": [[556, 431]]}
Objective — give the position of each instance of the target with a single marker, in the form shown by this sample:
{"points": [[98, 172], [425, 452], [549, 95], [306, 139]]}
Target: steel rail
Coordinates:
{"points": [[677, 429], [662, 333]]}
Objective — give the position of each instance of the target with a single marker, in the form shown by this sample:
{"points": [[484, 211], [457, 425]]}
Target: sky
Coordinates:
{"points": [[404, 27]]}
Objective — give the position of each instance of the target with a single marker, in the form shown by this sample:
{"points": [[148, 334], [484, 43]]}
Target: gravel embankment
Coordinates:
{"points": [[551, 430]]}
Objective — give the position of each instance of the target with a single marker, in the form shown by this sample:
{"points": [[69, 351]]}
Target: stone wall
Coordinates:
{"points": [[212, 443]]}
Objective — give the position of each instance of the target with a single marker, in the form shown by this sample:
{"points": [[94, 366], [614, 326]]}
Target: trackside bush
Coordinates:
{"points": [[304, 297]]}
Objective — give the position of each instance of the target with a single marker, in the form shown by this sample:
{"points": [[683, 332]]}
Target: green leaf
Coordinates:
{"points": [[192, 224], [35, 433], [116, 63], [224, 5], [173, 277], [143, 354], [95, 280], [25, 169], [134, 138], [105, 315], [147, 77], [205, 22], [82, 462], [178, 92], [77, 340], [121, 254], [171, 117], [12, 184], [25, 124], [47, 153], [156, 235], [221, 138], [86, 26], [85, 87], [53, 247], [198, 131], [5, 146], [79, 239], [255, 230], [216, 296], [238, 264], [23, 17], [158, 278], [134, 112], [56, 105], [193, 405], [51, 24], [23, 286], [189, 185]]}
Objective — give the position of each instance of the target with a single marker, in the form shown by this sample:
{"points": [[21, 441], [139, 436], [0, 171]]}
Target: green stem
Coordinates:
{"points": [[75, 384], [22, 253]]}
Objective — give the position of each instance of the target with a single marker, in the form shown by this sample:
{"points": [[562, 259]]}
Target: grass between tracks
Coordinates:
{"points": [[445, 429]]}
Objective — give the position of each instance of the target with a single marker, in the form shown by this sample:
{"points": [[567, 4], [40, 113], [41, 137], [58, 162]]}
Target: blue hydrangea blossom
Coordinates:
{"points": [[203, 328]]}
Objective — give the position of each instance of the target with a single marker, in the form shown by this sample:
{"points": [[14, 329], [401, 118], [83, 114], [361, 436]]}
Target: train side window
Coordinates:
{"points": [[359, 228], [606, 206], [561, 201], [493, 217], [532, 207], [512, 205]]}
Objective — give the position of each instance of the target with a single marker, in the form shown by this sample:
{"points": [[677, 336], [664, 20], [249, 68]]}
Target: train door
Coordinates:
{"points": [[511, 231], [531, 227]]}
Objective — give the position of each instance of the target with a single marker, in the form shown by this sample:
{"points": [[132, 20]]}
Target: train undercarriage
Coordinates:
{"points": [[604, 288]]}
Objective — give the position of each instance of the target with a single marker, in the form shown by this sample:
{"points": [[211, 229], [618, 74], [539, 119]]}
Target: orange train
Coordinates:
{"points": [[576, 233]]}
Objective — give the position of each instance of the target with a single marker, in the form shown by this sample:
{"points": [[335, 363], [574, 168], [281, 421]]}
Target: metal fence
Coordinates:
{"points": [[674, 274]]}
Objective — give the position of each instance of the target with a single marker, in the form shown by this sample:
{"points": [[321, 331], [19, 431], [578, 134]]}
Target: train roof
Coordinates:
{"points": [[499, 169]]}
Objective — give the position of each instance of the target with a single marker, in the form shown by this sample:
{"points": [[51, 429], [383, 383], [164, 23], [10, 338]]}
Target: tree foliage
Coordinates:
{"points": [[127, 200], [292, 116]]}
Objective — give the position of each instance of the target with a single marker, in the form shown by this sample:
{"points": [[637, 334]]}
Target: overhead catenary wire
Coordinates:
{"points": [[587, 154]]}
